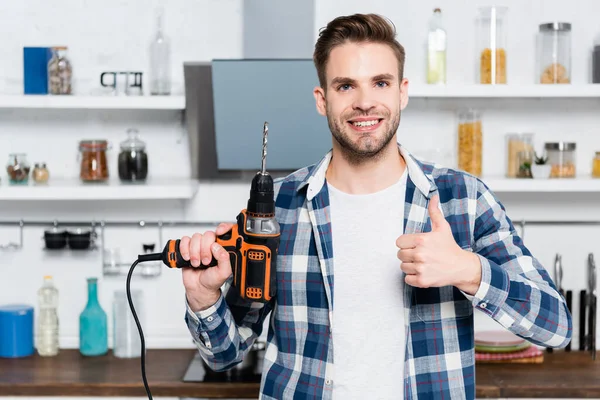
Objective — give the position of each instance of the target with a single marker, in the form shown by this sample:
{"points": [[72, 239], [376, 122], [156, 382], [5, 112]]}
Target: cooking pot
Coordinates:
{"points": [[55, 238], [79, 239]]}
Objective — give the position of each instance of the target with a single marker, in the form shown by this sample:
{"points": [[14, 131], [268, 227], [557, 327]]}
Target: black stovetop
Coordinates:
{"points": [[197, 371]]}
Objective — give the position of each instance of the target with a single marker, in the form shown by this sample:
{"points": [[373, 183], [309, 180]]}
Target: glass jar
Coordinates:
{"points": [[126, 339], [525, 160], [561, 157], [60, 72], [554, 54], [515, 143], [596, 165], [94, 165], [470, 140], [40, 173], [133, 160], [491, 46], [18, 168]]}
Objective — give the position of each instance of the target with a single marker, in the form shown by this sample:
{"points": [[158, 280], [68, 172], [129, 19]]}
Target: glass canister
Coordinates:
{"points": [[554, 53], [126, 339], [596, 165], [491, 44], [60, 72], [562, 159], [93, 327], [40, 173], [18, 168], [470, 141], [516, 143], [94, 164], [133, 159]]}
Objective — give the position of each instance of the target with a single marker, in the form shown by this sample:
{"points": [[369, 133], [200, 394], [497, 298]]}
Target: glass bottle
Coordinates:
{"points": [[60, 72], [491, 48], [160, 59], [436, 49], [470, 141], [93, 330], [554, 53], [126, 338], [47, 326]]}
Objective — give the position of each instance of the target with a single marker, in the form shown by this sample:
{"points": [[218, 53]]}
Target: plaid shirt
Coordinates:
{"points": [[515, 290]]}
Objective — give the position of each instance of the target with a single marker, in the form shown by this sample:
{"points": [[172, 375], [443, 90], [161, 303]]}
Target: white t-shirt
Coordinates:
{"points": [[368, 304]]}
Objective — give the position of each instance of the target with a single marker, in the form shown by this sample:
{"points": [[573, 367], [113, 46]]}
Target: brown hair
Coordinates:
{"points": [[355, 29]]}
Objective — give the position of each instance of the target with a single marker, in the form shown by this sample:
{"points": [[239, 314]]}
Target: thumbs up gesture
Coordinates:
{"points": [[433, 259]]}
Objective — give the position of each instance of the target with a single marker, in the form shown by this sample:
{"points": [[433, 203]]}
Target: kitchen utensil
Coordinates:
{"points": [[55, 238], [558, 274], [582, 319], [79, 239], [592, 305]]}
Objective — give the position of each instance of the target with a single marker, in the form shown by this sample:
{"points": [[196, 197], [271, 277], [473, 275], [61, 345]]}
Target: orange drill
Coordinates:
{"points": [[252, 243]]}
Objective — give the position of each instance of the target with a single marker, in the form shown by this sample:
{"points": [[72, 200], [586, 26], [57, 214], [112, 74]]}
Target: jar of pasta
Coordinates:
{"points": [[491, 44], [94, 164], [516, 143], [470, 141], [561, 157]]}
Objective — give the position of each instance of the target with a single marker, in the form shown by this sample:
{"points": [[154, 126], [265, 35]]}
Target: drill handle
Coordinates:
{"points": [[173, 259]]}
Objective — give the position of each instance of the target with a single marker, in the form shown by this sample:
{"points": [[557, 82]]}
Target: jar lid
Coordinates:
{"points": [[133, 141], [555, 26], [87, 145], [40, 165], [562, 146]]}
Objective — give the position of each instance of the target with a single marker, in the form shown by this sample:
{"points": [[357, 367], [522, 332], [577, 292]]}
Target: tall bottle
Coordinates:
{"points": [[93, 330], [47, 326], [436, 49], [160, 59]]}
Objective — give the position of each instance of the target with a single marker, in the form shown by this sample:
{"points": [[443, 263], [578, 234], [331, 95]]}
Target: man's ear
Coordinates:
{"points": [[319, 94], [403, 93]]}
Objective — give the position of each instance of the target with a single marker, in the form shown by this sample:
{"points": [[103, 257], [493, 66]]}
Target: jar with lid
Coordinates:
{"points": [[94, 164], [491, 44], [516, 143], [18, 168], [470, 141], [596, 165], [562, 158], [40, 173], [133, 159], [60, 72], [554, 53]]}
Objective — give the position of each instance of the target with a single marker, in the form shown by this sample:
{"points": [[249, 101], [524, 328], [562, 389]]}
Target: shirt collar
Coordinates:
{"points": [[316, 177]]}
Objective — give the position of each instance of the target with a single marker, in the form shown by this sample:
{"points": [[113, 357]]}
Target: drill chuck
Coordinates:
{"points": [[261, 200]]}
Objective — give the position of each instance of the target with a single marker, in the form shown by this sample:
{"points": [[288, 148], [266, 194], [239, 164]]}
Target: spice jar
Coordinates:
{"points": [[596, 165], [59, 72], [491, 48], [40, 173], [470, 140], [561, 157], [133, 160], [555, 52], [94, 165], [18, 168], [516, 143]]}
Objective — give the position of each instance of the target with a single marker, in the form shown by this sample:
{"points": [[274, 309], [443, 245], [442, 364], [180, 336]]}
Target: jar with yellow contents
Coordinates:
{"points": [[470, 141], [596, 165]]}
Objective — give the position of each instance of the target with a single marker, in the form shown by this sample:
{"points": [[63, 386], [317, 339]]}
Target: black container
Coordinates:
{"points": [[79, 239], [133, 159], [596, 64], [55, 238]]}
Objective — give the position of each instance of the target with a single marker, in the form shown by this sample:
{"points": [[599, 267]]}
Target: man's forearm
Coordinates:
{"points": [[469, 279]]}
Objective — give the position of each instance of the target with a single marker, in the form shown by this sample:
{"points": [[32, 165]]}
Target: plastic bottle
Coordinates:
{"points": [[436, 49], [47, 329], [160, 59]]}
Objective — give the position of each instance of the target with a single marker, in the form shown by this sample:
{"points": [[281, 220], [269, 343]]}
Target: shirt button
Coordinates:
{"points": [[208, 346], [328, 381], [210, 319], [483, 305]]}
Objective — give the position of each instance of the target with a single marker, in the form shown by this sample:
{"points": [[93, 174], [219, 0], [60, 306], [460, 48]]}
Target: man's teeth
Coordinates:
{"points": [[366, 123]]}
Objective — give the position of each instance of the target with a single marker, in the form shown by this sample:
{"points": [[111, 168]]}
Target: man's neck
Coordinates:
{"points": [[367, 177]]}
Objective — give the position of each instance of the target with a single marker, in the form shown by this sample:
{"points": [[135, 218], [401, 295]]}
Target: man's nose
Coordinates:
{"points": [[364, 100]]}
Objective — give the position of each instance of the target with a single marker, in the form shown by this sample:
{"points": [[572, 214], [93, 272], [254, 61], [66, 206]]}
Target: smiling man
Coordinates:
{"points": [[382, 257]]}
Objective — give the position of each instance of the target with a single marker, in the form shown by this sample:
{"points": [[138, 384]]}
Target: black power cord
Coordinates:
{"points": [[141, 258]]}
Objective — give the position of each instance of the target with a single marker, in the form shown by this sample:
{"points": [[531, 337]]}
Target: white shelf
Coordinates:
{"points": [[94, 102], [504, 91], [566, 185], [159, 189]]}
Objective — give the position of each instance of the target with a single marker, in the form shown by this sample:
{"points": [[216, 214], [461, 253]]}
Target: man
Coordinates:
{"points": [[382, 257]]}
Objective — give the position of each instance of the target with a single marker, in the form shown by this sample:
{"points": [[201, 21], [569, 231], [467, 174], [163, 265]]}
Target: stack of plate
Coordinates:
{"points": [[505, 346]]}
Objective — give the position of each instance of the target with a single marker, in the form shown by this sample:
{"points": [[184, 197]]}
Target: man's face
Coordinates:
{"points": [[363, 100]]}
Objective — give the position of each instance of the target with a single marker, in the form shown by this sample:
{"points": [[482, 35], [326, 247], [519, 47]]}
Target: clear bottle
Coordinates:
{"points": [[47, 327], [436, 49], [160, 59]]}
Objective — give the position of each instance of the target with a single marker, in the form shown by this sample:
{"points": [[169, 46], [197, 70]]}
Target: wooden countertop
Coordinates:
{"points": [[562, 375]]}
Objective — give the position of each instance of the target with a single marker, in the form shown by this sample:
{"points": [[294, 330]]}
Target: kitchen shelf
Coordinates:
{"points": [[538, 91], [73, 189], [94, 102], [516, 185]]}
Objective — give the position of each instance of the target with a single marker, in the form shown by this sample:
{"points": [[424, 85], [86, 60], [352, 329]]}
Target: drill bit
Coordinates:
{"points": [[264, 148]]}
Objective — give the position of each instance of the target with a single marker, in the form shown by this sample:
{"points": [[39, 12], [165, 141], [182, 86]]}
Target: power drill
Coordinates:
{"points": [[252, 243]]}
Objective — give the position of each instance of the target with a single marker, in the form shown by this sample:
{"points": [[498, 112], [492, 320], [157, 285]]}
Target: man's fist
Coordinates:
{"points": [[433, 259]]}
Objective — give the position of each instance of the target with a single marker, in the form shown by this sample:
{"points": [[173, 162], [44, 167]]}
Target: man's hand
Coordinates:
{"points": [[433, 259]]}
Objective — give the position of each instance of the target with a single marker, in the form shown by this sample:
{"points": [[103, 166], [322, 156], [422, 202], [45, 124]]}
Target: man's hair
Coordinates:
{"points": [[357, 28]]}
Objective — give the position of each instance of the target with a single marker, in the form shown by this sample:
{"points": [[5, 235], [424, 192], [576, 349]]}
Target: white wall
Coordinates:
{"points": [[114, 34]]}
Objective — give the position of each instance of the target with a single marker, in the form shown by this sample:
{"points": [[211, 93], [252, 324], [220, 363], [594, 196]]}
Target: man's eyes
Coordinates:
{"points": [[347, 86]]}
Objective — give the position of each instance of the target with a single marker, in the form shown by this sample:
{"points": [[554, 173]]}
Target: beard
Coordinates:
{"points": [[367, 146]]}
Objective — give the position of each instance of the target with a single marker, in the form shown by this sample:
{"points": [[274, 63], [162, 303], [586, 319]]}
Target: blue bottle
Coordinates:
{"points": [[93, 330]]}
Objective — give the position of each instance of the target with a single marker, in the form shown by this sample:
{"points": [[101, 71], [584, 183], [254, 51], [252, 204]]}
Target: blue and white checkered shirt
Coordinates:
{"points": [[515, 290]]}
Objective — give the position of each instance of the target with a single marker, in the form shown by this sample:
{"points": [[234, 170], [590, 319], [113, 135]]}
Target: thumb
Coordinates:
{"points": [[438, 221]]}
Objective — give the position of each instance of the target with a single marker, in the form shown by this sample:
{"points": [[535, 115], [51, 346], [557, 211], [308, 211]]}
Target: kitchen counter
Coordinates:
{"points": [[562, 375]]}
